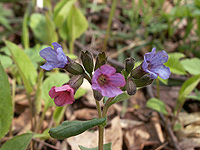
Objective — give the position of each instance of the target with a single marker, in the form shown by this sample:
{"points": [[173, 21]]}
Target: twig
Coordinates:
{"points": [[47, 144], [162, 146], [169, 129]]}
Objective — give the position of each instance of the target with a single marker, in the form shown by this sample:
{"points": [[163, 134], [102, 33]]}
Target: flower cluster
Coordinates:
{"points": [[105, 82]]}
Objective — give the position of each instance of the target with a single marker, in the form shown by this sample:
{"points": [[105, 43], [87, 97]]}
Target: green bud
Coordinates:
{"points": [[97, 95], [129, 64], [130, 86], [74, 67], [143, 81], [138, 72], [87, 61], [75, 82], [101, 60]]}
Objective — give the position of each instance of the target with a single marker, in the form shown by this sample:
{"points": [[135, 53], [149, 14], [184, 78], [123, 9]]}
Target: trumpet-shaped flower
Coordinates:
{"points": [[55, 57], [106, 81], [62, 95], [153, 64]]}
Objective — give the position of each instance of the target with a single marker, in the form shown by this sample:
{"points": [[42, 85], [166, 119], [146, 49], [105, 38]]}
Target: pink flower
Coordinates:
{"points": [[106, 81], [62, 95]]}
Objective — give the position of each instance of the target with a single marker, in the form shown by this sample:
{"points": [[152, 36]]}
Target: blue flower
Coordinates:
{"points": [[55, 58], [153, 64]]}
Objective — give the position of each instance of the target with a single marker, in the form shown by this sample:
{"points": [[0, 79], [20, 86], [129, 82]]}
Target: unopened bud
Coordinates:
{"points": [[101, 60], [130, 86], [138, 72], [143, 81], [129, 64], [87, 61], [74, 68], [97, 95], [75, 82]]}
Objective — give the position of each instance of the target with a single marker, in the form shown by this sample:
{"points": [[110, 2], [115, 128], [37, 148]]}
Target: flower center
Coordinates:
{"points": [[102, 79]]}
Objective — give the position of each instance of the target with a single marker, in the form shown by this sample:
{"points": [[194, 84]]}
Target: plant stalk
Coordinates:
{"points": [[113, 7]]}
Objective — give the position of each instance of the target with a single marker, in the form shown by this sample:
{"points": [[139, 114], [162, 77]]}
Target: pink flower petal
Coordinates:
{"points": [[110, 90], [117, 80], [107, 70], [63, 88], [53, 93], [63, 99], [96, 74]]}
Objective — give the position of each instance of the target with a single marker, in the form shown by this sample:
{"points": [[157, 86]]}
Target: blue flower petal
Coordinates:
{"points": [[60, 65], [160, 58], [48, 54], [56, 45], [149, 56], [162, 71], [61, 57], [48, 66]]}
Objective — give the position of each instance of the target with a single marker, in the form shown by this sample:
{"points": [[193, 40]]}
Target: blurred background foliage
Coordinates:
{"points": [[126, 28]]}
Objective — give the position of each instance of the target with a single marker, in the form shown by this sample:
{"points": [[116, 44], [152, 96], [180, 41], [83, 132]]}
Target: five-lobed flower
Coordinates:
{"points": [[55, 58], [106, 81], [153, 64]]}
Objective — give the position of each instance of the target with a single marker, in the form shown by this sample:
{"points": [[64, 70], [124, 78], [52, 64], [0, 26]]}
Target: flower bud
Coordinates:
{"points": [[143, 81], [75, 82], [129, 64], [87, 61], [101, 60], [97, 95], [138, 72], [130, 86], [74, 68]]}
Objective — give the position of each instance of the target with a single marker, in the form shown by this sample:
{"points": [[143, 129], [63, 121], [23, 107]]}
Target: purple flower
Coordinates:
{"points": [[106, 81], [55, 58], [153, 64]]}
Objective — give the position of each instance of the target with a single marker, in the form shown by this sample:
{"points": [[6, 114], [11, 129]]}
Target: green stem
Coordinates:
{"points": [[101, 128], [31, 110], [113, 7], [41, 120], [158, 88], [71, 46], [13, 102], [98, 108]]}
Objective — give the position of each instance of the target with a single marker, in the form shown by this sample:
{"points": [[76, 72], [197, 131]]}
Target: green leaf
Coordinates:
{"points": [[25, 32], [6, 107], [157, 105], [6, 61], [74, 26], [191, 65], [119, 98], [19, 142], [72, 128], [43, 28], [51, 35], [55, 79], [187, 87], [105, 147], [77, 23], [33, 54], [61, 11], [174, 63], [79, 93], [24, 65], [38, 26]]}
